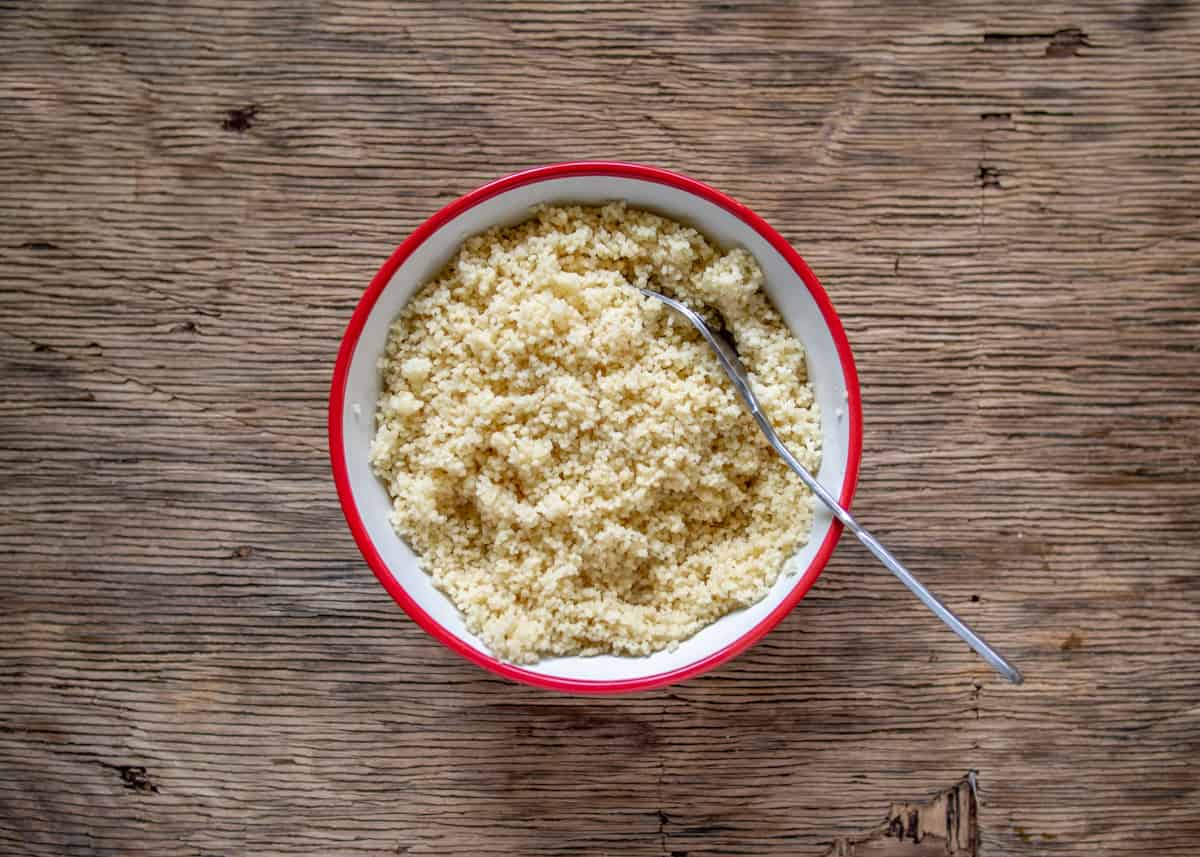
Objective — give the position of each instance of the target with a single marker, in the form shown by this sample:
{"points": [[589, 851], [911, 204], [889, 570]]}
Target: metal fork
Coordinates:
{"points": [[727, 355]]}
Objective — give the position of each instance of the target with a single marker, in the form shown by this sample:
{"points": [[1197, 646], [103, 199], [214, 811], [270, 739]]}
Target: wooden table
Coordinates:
{"points": [[1003, 204]]}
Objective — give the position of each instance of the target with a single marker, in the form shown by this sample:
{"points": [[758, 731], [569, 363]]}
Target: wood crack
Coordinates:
{"points": [[946, 824]]}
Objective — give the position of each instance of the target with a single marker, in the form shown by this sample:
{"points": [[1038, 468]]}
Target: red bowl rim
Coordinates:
{"points": [[350, 342]]}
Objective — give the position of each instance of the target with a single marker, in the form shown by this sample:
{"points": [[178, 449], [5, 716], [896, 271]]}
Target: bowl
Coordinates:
{"points": [[793, 288]]}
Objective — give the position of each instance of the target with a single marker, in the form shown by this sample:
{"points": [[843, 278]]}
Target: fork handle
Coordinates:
{"points": [[998, 662]]}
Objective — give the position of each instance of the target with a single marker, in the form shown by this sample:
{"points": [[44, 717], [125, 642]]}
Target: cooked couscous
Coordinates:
{"points": [[565, 455]]}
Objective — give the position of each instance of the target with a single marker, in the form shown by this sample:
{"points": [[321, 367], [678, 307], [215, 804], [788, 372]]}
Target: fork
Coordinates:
{"points": [[724, 347]]}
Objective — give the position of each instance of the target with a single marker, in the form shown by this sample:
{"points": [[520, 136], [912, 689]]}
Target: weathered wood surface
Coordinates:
{"points": [[1003, 203]]}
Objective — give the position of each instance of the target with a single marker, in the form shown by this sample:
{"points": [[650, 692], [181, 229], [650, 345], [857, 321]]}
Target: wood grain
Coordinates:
{"points": [[1001, 199]]}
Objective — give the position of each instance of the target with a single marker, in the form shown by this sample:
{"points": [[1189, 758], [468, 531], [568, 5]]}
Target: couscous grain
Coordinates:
{"points": [[566, 457]]}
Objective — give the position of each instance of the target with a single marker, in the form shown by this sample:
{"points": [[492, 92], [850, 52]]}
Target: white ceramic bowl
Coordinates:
{"points": [[794, 290]]}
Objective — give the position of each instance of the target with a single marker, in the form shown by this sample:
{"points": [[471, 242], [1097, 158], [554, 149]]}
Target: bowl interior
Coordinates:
{"points": [[829, 377]]}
